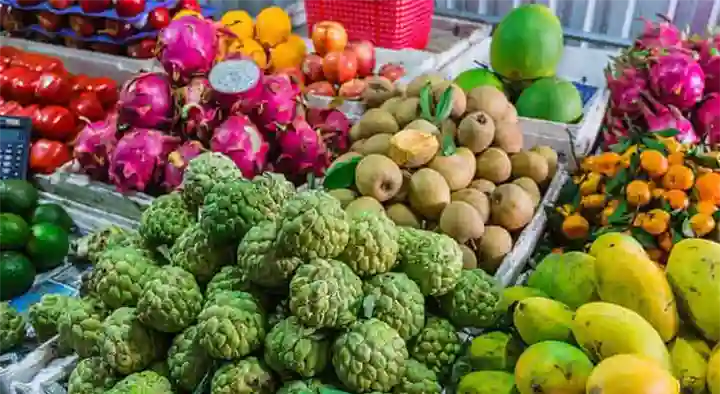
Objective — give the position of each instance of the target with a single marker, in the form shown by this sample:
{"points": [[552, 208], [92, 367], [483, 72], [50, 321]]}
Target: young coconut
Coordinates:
{"points": [[377, 91], [357, 146], [422, 124], [492, 248], [354, 132], [461, 222], [476, 131], [364, 204], [413, 148], [550, 156], [469, 257], [488, 99], [377, 176], [448, 127], [415, 86], [508, 137], [428, 193], [391, 105], [458, 169], [511, 207], [402, 215], [529, 164], [530, 187], [401, 195], [483, 185], [476, 198], [376, 121], [377, 144], [407, 110], [493, 165]]}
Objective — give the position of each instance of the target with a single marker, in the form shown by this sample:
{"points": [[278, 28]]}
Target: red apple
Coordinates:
{"points": [[95, 6], [365, 53], [129, 8], [322, 88], [295, 75], [193, 5], [159, 18], [61, 4], [340, 67], [49, 21], [392, 71], [118, 29], [352, 89], [81, 25], [328, 36], [312, 67], [144, 49]]}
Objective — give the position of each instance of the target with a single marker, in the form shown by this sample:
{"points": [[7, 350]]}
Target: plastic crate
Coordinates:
{"points": [[391, 24]]}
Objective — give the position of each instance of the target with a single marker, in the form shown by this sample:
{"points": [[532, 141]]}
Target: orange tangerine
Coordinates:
{"points": [[653, 163], [678, 177], [702, 224], [638, 193], [677, 199]]}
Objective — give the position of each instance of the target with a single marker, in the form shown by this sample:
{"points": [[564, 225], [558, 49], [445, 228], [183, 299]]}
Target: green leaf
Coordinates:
{"points": [[448, 147], [444, 106], [652, 143], [621, 146], [618, 181], [667, 133], [676, 236], [326, 390], [569, 192], [646, 239], [716, 216], [634, 162], [341, 175], [619, 214], [426, 102]]}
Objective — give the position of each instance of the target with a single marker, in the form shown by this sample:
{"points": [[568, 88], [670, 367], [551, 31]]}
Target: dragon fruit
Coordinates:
{"points": [[237, 84], [707, 118], [177, 161], [613, 130], [198, 117], [145, 102], [302, 151], [660, 117], [139, 159], [334, 128], [278, 102], [94, 145], [710, 63], [658, 35], [187, 47], [625, 90], [677, 79], [238, 138]]}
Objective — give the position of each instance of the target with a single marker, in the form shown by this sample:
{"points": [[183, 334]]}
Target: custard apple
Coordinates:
{"points": [[371, 356], [313, 225], [80, 327], [395, 299], [92, 245], [230, 278], [437, 345], [432, 260], [203, 172], [193, 252], [121, 276], [373, 245], [44, 315], [279, 188], [474, 301], [248, 376], [310, 386], [170, 301], [418, 379], [256, 255], [12, 327], [280, 312], [165, 219], [91, 376], [126, 344], [187, 360], [231, 325], [325, 293], [291, 348], [146, 382]]}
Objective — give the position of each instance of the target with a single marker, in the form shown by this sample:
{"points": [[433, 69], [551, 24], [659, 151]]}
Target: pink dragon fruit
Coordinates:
{"points": [[145, 102], [238, 138], [660, 117], [139, 159], [237, 84], [278, 102], [334, 128], [613, 130], [707, 118], [625, 90], [661, 34], [198, 117], [302, 151], [177, 161], [187, 47], [94, 145], [710, 63], [677, 79]]}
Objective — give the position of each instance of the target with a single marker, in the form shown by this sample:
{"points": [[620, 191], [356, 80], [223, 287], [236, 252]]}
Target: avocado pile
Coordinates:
{"points": [[33, 237], [525, 51]]}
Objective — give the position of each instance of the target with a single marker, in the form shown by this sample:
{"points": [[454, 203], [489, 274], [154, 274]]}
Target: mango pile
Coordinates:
{"points": [[651, 187], [610, 321], [268, 39]]}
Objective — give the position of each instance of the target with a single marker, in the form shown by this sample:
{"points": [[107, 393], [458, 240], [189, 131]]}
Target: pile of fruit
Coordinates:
{"points": [[33, 237], [341, 69], [437, 158], [58, 103], [611, 321], [225, 105], [264, 288]]}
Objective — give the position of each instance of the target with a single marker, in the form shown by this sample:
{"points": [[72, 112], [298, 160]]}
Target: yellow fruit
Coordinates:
{"points": [[689, 366], [298, 43], [568, 278], [552, 367], [182, 13], [495, 351], [618, 244], [539, 319], [605, 330], [487, 382], [713, 372], [240, 23], [631, 374], [693, 269], [285, 55], [639, 284], [252, 49], [272, 26]]}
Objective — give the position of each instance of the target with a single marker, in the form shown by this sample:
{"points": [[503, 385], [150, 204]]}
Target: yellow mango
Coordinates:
{"points": [[552, 367], [567, 277], [691, 336], [637, 283], [689, 366], [618, 244], [539, 319], [693, 269], [631, 374], [604, 330], [487, 382], [713, 372]]}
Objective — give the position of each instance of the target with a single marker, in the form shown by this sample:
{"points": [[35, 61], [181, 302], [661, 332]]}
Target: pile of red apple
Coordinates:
{"points": [[337, 68]]}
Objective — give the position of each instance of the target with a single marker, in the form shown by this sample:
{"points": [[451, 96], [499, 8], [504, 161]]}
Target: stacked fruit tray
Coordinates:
{"points": [[124, 27]]}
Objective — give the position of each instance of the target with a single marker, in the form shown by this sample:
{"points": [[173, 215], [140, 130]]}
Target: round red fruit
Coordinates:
{"points": [[159, 18]]}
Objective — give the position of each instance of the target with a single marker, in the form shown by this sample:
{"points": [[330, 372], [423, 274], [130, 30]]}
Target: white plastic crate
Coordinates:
{"points": [[580, 65]]}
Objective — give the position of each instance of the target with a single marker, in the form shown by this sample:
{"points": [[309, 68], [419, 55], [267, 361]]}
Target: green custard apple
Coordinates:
{"points": [[310, 386], [194, 253], [187, 361], [276, 185], [373, 244], [12, 327], [80, 327], [44, 315], [257, 257], [432, 260], [170, 301], [437, 346], [474, 301], [229, 278], [121, 275], [231, 325], [248, 376], [126, 344], [395, 299], [291, 348], [165, 219], [143, 382], [92, 376], [418, 379], [203, 172]]}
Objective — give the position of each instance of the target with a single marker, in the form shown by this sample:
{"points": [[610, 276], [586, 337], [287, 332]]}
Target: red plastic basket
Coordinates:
{"points": [[393, 24]]}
